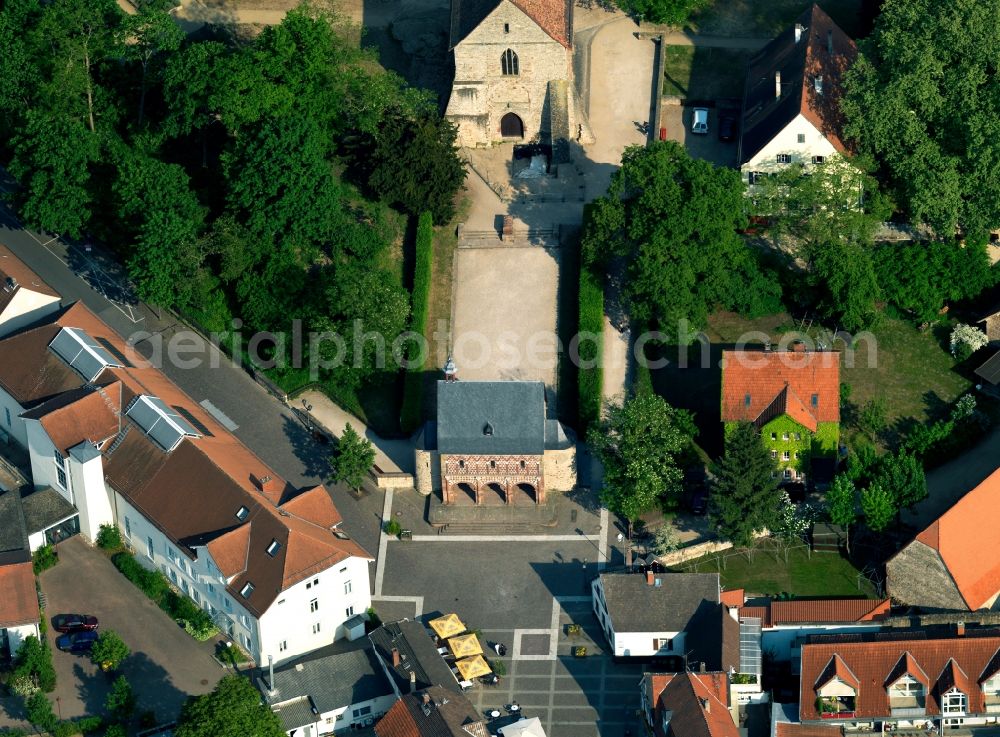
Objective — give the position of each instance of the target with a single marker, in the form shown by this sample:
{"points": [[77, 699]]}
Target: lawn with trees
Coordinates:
{"points": [[248, 181]]}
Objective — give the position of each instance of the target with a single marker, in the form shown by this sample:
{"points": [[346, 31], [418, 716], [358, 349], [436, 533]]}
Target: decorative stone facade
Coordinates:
{"points": [[474, 479], [503, 69]]}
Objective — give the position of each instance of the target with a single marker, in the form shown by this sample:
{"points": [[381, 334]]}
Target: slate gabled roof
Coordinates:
{"points": [[764, 115], [491, 417], [555, 17], [417, 654], [636, 606]]}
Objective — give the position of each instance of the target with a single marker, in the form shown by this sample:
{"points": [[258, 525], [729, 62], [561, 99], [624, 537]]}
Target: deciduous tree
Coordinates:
{"points": [[744, 492], [639, 443], [233, 709], [352, 459], [109, 650], [902, 474], [878, 506], [842, 501], [120, 701], [673, 12]]}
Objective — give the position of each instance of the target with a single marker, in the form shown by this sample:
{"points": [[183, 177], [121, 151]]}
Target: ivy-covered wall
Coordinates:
{"points": [[799, 442], [826, 439]]}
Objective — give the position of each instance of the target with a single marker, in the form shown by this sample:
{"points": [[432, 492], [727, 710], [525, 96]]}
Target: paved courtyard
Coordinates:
{"points": [[505, 313], [166, 666]]}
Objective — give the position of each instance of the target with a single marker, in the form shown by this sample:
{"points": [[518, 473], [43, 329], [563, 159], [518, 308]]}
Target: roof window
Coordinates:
{"points": [[242, 513], [247, 590], [815, 400], [488, 430], [746, 400], [273, 548], [82, 353], [161, 423]]}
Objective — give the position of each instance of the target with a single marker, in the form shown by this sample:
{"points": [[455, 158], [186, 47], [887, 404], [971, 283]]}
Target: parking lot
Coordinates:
{"points": [[166, 666], [677, 120]]}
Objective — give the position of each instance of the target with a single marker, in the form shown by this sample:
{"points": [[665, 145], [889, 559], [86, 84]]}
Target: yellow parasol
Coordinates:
{"points": [[473, 667], [464, 646], [447, 626]]}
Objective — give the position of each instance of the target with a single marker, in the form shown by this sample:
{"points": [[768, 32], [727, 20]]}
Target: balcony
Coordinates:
{"points": [[907, 706], [836, 707], [992, 701]]}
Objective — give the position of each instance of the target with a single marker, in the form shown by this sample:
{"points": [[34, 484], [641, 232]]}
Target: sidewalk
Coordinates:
{"points": [[392, 456]]}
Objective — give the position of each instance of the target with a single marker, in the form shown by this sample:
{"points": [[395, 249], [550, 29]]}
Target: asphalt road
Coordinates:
{"points": [[265, 425]]}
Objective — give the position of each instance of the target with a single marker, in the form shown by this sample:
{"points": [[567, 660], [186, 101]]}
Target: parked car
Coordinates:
{"points": [[700, 123], [74, 622], [697, 500], [727, 127], [77, 642]]}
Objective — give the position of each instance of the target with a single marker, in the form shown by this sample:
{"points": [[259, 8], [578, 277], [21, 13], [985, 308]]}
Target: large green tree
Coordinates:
{"points": [[675, 219], [923, 97], [744, 493], [639, 444], [352, 458], [673, 12], [878, 506], [842, 279], [902, 474], [233, 709]]}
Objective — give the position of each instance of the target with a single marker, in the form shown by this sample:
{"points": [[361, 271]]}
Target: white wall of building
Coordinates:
{"points": [[785, 642], [295, 625], [814, 143], [26, 308], [342, 719], [17, 634], [93, 498], [633, 644], [10, 420], [44, 463]]}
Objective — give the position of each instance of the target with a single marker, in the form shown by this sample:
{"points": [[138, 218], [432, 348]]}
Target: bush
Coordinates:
{"points": [[38, 709], [410, 414], [120, 701], [498, 667], [34, 661], [22, 684], [590, 347], [109, 650], [44, 558], [109, 537], [392, 527], [13, 733], [200, 627], [152, 583], [115, 730], [69, 728]]}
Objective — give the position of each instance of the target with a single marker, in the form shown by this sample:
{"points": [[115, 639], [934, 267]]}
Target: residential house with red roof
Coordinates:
{"points": [[24, 297], [513, 71], [121, 444], [792, 397], [910, 680], [19, 613], [953, 564], [791, 100], [786, 625], [689, 704]]}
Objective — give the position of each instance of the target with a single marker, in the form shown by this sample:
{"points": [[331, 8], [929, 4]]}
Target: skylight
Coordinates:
{"points": [[273, 548], [242, 513], [160, 422], [246, 590], [82, 353]]}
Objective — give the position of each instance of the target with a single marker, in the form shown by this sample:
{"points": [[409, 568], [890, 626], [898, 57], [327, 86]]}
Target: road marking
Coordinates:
{"points": [[383, 542], [503, 538], [219, 415]]}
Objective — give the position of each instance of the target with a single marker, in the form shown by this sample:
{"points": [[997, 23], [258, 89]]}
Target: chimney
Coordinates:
{"points": [[264, 484], [701, 666], [395, 658], [829, 42], [777, 85], [427, 698], [270, 675], [650, 580], [799, 28], [666, 715], [818, 84], [450, 372], [413, 681], [706, 705], [960, 629]]}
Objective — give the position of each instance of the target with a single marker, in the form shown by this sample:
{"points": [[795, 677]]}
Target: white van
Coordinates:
{"points": [[700, 124]]}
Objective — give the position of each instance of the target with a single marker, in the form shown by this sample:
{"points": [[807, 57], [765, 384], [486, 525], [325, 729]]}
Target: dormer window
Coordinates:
{"points": [[246, 590], [815, 400], [242, 513], [488, 430], [273, 548], [954, 702]]}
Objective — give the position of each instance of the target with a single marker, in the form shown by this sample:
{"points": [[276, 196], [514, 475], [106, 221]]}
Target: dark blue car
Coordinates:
{"points": [[76, 642]]}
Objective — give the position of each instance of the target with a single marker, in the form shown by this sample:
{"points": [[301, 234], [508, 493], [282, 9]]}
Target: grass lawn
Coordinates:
{"points": [[805, 573], [764, 18], [909, 368], [704, 72]]}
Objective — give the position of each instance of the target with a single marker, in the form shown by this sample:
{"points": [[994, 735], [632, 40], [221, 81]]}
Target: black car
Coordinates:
{"points": [[697, 500], [727, 127], [74, 622], [77, 642]]}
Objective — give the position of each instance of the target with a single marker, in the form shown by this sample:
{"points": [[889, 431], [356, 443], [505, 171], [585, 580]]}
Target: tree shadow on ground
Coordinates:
{"points": [[311, 446]]}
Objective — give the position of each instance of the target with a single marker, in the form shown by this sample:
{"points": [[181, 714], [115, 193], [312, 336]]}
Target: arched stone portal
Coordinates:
{"points": [[511, 126], [524, 493]]}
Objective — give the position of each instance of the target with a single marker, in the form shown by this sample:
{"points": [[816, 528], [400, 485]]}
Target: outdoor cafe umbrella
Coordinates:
{"points": [[473, 667], [447, 626], [465, 645]]}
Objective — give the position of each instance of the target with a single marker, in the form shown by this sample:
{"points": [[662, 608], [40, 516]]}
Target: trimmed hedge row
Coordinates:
{"points": [[155, 585], [591, 345], [410, 414]]}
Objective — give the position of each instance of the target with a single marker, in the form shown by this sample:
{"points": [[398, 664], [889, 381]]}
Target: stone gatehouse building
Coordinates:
{"points": [[492, 444], [513, 71]]}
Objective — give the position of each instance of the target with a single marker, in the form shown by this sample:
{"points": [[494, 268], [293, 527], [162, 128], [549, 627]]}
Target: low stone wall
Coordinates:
{"points": [[698, 550], [393, 480]]}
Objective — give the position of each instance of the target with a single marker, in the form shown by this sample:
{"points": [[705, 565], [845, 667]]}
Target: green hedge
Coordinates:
{"points": [[643, 376], [410, 414], [591, 380], [44, 558], [155, 585]]}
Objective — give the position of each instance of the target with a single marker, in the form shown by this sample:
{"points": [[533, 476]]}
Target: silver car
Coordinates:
{"points": [[700, 123]]}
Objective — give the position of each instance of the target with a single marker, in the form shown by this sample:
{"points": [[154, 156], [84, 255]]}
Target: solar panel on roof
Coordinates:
{"points": [[160, 422], [82, 353]]}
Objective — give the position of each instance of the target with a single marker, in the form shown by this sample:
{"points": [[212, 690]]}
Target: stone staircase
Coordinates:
{"points": [[491, 528]]}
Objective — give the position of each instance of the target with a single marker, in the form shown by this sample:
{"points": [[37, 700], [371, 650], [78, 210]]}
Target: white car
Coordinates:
{"points": [[700, 123]]}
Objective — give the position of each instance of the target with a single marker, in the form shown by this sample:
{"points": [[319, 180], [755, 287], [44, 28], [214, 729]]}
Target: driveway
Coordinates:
{"points": [[166, 666], [677, 120]]}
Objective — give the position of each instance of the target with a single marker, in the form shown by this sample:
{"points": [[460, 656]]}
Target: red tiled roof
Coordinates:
{"points": [[828, 610], [552, 16], [822, 109], [967, 537], [836, 668], [93, 416], [314, 505], [781, 382], [19, 603], [762, 612], [732, 598], [879, 663], [786, 729], [699, 703]]}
